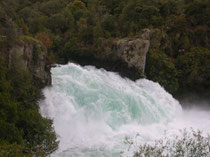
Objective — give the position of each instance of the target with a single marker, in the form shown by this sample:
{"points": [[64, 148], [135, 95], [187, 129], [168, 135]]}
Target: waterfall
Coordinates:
{"points": [[95, 111]]}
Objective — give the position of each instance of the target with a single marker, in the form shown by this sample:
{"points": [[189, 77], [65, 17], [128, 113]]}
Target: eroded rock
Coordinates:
{"points": [[133, 52], [32, 56]]}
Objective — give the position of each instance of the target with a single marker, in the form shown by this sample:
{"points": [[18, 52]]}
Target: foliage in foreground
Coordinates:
{"points": [[188, 143], [14, 149], [23, 131]]}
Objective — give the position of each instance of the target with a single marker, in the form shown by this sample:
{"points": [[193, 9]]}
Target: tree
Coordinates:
{"points": [[109, 24], [193, 69], [78, 9], [10, 150], [45, 39], [97, 33], [197, 12], [160, 68]]}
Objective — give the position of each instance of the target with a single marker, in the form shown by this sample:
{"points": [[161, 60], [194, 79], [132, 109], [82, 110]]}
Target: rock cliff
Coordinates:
{"points": [[133, 52], [33, 57], [127, 56]]}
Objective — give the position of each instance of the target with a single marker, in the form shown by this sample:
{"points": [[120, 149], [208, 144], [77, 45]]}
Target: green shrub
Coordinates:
{"points": [[188, 143], [11, 150], [9, 132], [160, 68], [20, 120], [193, 69]]}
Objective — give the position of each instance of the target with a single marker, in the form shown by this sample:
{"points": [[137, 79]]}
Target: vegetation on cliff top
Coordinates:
{"points": [[69, 27]]}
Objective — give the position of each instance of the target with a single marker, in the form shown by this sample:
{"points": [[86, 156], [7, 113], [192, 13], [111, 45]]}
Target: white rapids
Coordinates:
{"points": [[95, 111]]}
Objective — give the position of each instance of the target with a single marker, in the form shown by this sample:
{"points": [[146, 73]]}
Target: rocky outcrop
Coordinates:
{"points": [[127, 56], [133, 52], [32, 56]]}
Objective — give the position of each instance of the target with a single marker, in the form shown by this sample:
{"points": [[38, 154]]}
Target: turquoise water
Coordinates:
{"points": [[94, 111]]}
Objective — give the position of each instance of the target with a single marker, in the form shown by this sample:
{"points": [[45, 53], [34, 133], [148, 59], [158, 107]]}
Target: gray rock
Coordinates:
{"points": [[133, 52], [36, 64]]}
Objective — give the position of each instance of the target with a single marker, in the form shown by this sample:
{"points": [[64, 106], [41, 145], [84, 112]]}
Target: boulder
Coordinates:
{"points": [[133, 52]]}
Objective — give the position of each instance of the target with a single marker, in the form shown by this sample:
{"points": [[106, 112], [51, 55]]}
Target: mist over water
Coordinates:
{"points": [[95, 111]]}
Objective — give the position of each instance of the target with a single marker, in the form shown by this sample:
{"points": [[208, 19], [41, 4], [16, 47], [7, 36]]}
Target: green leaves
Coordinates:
{"points": [[20, 120], [10, 150], [38, 133], [78, 9], [193, 68], [198, 12], [160, 68], [189, 71], [188, 143], [9, 132]]}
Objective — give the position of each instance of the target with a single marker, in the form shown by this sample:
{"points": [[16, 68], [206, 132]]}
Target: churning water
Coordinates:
{"points": [[96, 111]]}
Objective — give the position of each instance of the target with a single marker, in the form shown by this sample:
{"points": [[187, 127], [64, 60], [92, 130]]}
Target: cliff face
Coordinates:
{"points": [[33, 57], [133, 52], [127, 56]]}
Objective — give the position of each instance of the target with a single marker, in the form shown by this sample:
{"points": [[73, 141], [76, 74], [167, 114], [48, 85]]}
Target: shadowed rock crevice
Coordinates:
{"points": [[127, 56]]}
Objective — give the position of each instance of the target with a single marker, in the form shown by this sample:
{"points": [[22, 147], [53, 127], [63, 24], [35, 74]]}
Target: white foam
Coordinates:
{"points": [[95, 110]]}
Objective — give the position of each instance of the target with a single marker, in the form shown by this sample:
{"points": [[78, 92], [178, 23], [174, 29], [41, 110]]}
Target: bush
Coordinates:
{"points": [[9, 132], [20, 120], [160, 68], [193, 69], [11, 150], [188, 143], [45, 39], [38, 133]]}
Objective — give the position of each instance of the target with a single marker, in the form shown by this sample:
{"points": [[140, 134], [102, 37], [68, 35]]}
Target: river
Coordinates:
{"points": [[97, 113]]}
